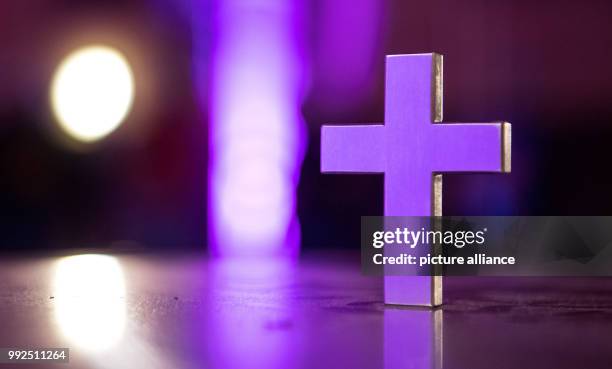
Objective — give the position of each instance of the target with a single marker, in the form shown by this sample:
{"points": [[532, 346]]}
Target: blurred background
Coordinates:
{"points": [[152, 181]]}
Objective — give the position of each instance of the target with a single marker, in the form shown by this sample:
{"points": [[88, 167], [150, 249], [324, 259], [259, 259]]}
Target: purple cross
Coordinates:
{"points": [[412, 152]]}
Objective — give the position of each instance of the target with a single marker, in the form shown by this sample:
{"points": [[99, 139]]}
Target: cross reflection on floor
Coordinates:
{"points": [[184, 311]]}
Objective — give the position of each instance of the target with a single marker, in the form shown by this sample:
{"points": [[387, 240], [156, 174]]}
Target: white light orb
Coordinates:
{"points": [[92, 92]]}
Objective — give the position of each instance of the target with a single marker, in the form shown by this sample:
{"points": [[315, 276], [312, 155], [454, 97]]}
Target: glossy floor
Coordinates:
{"points": [[184, 311]]}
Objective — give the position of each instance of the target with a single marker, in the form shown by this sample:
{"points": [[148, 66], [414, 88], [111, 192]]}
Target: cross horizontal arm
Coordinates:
{"points": [[471, 147], [359, 149]]}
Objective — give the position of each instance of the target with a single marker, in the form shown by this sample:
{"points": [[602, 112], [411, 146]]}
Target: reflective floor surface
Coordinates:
{"points": [[185, 311]]}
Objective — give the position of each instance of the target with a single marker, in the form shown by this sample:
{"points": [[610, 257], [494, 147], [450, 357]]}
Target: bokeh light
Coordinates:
{"points": [[92, 92], [256, 131]]}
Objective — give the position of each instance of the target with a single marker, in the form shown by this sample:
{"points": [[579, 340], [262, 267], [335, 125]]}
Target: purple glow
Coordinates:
{"points": [[263, 340], [350, 41], [256, 134]]}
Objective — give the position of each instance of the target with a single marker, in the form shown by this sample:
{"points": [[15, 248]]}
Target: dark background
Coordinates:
{"points": [[541, 65]]}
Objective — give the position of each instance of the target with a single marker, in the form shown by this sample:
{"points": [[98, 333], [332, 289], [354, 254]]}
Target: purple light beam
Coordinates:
{"points": [[256, 131], [412, 152]]}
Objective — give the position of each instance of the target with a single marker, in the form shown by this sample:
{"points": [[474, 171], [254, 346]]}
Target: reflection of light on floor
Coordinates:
{"points": [[89, 301], [256, 332]]}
